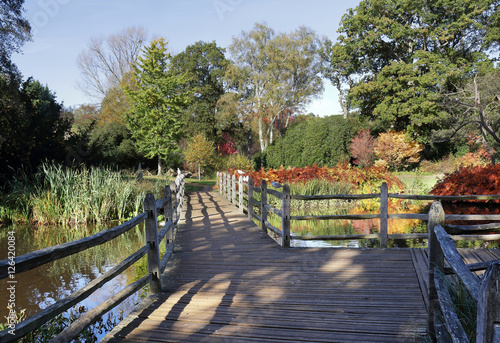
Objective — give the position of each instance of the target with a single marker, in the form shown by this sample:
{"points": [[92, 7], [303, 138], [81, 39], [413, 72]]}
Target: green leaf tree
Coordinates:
{"points": [[200, 151], [204, 66], [393, 57], [276, 75], [14, 31], [156, 102]]}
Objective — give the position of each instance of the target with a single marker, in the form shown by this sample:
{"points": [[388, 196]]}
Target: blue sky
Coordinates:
{"points": [[63, 28]]}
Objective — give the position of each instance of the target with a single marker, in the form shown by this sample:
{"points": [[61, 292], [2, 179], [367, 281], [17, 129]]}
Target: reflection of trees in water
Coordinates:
{"points": [[41, 287]]}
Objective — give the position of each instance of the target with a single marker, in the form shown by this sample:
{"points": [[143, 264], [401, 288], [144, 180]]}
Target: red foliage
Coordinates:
{"points": [[478, 180], [356, 176], [362, 148], [227, 146]]}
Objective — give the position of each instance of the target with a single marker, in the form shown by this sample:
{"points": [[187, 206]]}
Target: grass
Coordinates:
{"points": [[58, 195]]}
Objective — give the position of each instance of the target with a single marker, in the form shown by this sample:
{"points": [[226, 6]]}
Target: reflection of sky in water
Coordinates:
{"points": [[39, 288]]}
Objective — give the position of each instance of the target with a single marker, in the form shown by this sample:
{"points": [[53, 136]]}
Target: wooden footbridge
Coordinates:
{"points": [[224, 279], [229, 282]]}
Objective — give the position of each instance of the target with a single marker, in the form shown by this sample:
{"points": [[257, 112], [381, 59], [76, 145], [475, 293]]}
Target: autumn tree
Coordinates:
{"points": [[156, 102], [200, 152], [396, 151], [363, 148], [273, 73], [392, 58]]}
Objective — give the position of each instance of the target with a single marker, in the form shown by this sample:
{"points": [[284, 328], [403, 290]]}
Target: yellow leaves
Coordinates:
{"points": [[396, 151]]}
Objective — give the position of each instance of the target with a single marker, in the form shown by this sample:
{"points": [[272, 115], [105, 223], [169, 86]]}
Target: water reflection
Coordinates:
{"points": [[43, 286]]}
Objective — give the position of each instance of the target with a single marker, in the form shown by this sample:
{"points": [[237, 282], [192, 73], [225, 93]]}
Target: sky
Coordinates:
{"points": [[62, 29]]}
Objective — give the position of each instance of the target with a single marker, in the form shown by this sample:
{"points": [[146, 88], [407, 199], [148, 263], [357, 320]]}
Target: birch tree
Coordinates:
{"points": [[276, 75]]}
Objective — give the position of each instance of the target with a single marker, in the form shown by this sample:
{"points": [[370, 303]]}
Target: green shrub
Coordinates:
{"points": [[324, 141]]}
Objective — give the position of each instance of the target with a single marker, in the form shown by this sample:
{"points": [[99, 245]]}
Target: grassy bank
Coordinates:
{"points": [[58, 195]]}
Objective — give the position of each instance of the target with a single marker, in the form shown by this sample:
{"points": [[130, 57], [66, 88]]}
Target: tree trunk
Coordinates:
{"points": [[199, 172], [159, 166]]}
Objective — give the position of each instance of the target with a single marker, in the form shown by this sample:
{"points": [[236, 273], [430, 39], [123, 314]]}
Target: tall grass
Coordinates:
{"points": [[59, 195]]}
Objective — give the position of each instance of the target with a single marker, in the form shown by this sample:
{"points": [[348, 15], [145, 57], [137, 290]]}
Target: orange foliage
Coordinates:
{"points": [[472, 180], [358, 177]]}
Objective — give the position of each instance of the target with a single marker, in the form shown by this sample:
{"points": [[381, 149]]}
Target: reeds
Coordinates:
{"points": [[58, 195]]}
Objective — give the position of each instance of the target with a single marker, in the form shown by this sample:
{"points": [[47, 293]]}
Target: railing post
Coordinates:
{"points": [[263, 203], [250, 198], [173, 189], [240, 193], [384, 205], [285, 239], [151, 227], [436, 259], [228, 188], [233, 189], [168, 212], [488, 305]]}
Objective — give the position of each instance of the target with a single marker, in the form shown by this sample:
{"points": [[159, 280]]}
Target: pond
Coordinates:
{"points": [[43, 286]]}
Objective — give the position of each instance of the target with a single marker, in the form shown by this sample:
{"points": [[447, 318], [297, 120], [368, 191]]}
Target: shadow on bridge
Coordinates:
{"points": [[230, 282]]}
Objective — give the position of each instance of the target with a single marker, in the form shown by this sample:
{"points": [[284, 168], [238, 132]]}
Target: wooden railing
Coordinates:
{"points": [[171, 205], [443, 321], [236, 190]]}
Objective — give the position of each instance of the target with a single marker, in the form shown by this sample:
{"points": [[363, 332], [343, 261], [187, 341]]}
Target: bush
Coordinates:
{"points": [[324, 141], [396, 151]]}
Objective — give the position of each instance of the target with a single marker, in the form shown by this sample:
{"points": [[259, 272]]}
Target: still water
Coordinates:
{"points": [[43, 286]]}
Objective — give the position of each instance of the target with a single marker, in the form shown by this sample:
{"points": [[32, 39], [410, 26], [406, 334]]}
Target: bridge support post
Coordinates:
{"points": [[240, 193], [151, 227], [285, 225], [263, 203], [436, 260], [250, 198], [384, 204], [488, 305], [168, 211], [233, 189]]}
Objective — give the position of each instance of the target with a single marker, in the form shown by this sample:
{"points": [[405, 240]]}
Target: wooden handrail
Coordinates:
{"points": [[155, 266], [483, 291], [227, 182]]}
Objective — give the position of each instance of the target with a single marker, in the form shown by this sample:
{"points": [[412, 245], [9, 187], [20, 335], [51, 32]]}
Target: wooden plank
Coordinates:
{"points": [[420, 263], [228, 281], [470, 281]]}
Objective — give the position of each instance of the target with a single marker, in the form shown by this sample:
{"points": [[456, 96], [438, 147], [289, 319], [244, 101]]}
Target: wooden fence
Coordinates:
{"points": [[443, 319], [236, 190], [172, 206]]}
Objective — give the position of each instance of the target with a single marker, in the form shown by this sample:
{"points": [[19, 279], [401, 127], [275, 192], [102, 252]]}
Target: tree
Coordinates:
{"points": [[15, 30], [33, 128], [200, 151], [395, 56], [396, 151], [274, 73], [106, 61], [362, 148], [204, 66], [156, 104], [477, 106]]}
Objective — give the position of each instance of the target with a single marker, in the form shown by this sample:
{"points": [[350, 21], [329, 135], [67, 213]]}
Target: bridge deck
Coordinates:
{"points": [[229, 282]]}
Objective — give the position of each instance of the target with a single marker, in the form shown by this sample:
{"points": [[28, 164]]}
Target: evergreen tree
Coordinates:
{"points": [[156, 104]]}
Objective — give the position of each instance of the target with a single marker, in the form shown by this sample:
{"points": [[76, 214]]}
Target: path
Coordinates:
{"points": [[229, 282]]}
